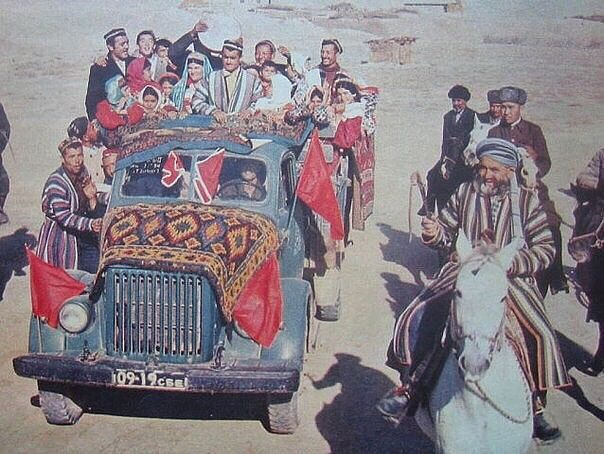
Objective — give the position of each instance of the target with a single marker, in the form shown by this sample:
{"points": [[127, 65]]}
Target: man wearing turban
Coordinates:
{"points": [[496, 207], [529, 136], [450, 170]]}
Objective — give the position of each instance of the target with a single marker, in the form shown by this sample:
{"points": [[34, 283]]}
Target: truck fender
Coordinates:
{"points": [[291, 340]]}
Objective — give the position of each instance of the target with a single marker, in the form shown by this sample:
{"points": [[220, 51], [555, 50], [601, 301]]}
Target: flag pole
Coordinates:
{"points": [[39, 333]]}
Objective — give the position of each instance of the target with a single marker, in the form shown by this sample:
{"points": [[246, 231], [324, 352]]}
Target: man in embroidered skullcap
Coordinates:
{"points": [[492, 206], [514, 128], [72, 213], [450, 170], [230, 89], [493, 115], [117, 61]]}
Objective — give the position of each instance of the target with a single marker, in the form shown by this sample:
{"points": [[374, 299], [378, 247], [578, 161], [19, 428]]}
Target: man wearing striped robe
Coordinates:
{"points": [[71, 212], [229, 90], [491, 206]]}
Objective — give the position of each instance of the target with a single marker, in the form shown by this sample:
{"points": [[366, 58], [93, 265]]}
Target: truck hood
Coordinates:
{"points": [[225, 245]]}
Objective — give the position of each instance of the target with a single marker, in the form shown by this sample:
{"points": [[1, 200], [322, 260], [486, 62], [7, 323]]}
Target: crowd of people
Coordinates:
{"points": [[172, 80], [489, 202], [492, 203]]}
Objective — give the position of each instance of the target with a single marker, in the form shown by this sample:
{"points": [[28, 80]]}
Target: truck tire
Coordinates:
{"points": [[58, 408], [329, 313], [282, 412]]}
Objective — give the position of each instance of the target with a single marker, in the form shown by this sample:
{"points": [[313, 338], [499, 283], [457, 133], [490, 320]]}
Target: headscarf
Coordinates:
{"points": [[113, 89], [507, 154], [157, 92], [134, 74], [178, 92]]}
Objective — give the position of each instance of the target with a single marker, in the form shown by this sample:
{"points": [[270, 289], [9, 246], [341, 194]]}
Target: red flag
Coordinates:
{"points": [[316, 190], [208, 175], [172, 171], [50, 288], [260, 306]]}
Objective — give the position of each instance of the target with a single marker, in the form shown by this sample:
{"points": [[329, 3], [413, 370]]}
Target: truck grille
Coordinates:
{"points": [[155, 313]]}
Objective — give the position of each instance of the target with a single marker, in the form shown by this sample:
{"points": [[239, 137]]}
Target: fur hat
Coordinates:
{"points": [[513, 94], [493, 97], [459, 92]]}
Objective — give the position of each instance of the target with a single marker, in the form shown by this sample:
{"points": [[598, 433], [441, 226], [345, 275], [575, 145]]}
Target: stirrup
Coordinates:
{"points": [[393, 406]]}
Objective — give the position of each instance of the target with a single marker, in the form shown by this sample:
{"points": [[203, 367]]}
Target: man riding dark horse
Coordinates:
{"points": [[589, 219], [450, 170], [491, 206]]}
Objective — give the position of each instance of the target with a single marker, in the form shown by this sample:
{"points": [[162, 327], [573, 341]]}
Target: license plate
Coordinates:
{"points": [[144, 379]]}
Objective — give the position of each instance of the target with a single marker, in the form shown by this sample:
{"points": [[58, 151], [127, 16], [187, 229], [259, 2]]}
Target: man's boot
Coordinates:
{"points": [[544, 431], [393, 406]]}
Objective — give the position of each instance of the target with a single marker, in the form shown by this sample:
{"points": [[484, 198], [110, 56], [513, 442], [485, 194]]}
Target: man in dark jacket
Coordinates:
{"points": [[4, 181], [493, 115], [529, 136], [117, 62], [450, 170]]}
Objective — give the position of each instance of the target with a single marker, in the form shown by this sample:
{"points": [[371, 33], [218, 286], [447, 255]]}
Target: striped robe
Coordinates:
{"points": [[247, 91], [473, 212], [57, 242]]}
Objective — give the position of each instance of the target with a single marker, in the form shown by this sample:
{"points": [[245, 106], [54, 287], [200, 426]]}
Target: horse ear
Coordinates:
{"points": [[463, 246], [507, 254]]}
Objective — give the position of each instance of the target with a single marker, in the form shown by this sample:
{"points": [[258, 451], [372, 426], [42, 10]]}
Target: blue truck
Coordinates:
{"points": [[155, 328]]}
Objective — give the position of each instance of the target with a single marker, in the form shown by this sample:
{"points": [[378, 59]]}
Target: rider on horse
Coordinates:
{"points": [[495, 207]]}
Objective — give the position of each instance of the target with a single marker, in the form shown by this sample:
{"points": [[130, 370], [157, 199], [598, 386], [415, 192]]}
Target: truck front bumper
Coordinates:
{"points": [[239, 376]]}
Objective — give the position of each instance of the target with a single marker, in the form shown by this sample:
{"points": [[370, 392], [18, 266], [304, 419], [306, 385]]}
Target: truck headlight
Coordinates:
{"points": [[74, 316]]}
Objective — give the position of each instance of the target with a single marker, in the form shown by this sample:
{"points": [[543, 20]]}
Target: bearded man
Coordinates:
{"points": [[491, 206], [529, 136]]}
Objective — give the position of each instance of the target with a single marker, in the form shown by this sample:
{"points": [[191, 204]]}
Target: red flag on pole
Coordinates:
{"points": [[208, 176], [50, 288], [316, 190], [260, 306], [172, 171]]}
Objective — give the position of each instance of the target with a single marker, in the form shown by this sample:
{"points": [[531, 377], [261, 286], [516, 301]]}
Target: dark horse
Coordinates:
{"points": [[587, 247]]}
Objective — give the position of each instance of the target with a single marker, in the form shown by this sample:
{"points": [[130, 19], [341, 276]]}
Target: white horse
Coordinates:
{"points": [[478, 133], [482, 402]]}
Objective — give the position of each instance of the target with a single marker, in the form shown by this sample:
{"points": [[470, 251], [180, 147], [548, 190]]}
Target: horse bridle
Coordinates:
{"points": [[494, 342], [597, 234]]}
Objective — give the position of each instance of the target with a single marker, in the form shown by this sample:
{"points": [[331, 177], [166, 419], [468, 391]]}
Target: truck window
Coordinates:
{"points": [[242, 179], [148, 179]]}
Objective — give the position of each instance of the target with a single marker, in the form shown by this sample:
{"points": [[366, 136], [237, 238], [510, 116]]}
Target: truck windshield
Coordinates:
{"points": [[174, 176]]}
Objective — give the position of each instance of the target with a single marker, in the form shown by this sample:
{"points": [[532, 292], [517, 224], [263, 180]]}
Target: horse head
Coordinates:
{"points": [[478, 133], [478, 307], [589, 225]]}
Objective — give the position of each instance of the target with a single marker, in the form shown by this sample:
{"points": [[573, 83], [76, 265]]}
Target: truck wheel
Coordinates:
{"points": [[312, 327], [329, 313], [58, 408], [282, 412]]}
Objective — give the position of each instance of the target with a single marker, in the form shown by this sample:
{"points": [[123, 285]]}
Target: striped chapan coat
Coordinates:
{"points": [[473, 213], [57, 242], [247, 92]]}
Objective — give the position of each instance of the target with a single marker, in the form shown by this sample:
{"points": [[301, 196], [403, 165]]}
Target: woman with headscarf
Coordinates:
{"points": [[119, 108], [139, 75], [194, 76]]}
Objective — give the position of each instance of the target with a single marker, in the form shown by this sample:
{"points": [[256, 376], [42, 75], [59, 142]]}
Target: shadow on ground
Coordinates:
{"points": [[351, 424], [168, 405], [413, 255], [576, 357]]}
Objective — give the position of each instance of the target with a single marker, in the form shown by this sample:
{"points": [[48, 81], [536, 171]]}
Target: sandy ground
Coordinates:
{"points": [[47, 48]]}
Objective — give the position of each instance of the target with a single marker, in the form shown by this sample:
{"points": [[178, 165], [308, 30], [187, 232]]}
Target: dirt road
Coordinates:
{"points": [[47, 49]]}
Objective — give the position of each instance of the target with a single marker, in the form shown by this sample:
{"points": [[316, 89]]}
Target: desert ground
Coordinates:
{"points": [[559, 60]]}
